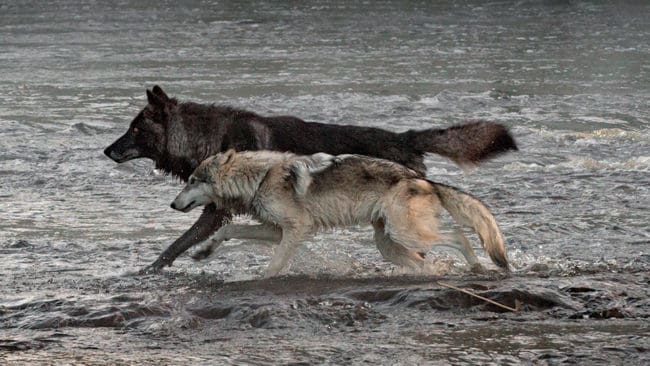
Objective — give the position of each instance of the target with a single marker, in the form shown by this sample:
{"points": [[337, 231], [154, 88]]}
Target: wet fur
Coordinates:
{"points": [[177, 136], [295, 196]]}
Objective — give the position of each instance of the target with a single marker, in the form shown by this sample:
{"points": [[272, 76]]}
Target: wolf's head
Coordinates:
{"points": [[146, 136], [205, 185]]}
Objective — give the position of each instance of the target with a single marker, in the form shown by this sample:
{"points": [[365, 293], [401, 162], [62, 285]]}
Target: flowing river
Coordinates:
{"points": [[571, 81]]}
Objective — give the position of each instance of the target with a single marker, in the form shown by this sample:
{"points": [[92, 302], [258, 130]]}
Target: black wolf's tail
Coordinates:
{"points": [[469, 211], [466, 144]]}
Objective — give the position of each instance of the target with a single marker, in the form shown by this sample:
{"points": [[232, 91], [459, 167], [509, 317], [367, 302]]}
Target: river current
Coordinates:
{"points": [[570, 80]]}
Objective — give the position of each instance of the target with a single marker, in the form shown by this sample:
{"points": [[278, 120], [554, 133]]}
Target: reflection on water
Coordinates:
{"points": [[571, 81]]}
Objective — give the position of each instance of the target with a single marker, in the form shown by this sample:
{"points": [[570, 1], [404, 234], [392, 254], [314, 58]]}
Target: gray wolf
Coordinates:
{"points": [[177, 136], [294, 196]]}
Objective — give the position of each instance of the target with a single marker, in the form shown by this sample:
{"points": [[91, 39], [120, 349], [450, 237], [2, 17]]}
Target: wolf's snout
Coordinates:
{"points": [[124, 149], [181, 206], [111, 154]]}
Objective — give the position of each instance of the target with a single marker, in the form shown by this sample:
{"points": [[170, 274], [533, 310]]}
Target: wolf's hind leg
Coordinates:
{"points": [[237, 231], [461, 244], [396, 253], [466, 248]]}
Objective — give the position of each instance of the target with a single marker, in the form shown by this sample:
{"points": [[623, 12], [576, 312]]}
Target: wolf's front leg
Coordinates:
{"points": [[210, 220], [284, 251], [236, 231]]}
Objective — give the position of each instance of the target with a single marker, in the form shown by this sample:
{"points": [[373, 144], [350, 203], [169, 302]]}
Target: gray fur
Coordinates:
{"points": [[295, 196]]}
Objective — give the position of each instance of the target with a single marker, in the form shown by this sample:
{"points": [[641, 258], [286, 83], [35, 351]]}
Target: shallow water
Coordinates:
{"points": [[571, 81]]}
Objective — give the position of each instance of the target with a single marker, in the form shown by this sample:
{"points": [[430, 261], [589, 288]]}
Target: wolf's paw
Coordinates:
{"points": [[154, 268], [271, 271], [477, 268], [202, 254]]}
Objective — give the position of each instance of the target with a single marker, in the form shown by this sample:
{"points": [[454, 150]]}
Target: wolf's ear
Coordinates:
{"points": [[226, 159], [155, 100], [160, 93]]}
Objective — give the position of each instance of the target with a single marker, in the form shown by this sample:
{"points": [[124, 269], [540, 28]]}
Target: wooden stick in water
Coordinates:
{"points": [[515, 309]]}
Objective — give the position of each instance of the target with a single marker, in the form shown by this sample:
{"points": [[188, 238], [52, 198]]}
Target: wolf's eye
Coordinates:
{"points": [[136, 130]]}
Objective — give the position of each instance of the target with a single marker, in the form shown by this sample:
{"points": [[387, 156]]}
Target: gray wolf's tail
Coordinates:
{"points": [[466, 144], [469, 211]]}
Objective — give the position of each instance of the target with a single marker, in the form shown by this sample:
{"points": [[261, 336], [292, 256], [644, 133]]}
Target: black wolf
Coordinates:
{"points": [[177, 136]]}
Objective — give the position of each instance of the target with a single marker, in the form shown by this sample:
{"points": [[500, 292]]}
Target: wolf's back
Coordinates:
{"points": [[469, 211], [466, 144]]}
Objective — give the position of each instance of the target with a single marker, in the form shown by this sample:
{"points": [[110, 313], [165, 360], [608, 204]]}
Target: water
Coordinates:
{"points": [[572, 82]]}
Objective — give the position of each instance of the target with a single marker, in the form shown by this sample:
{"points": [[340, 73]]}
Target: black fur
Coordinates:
{"points": [[178, 136]]}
